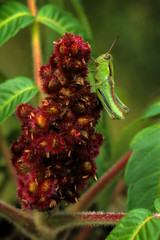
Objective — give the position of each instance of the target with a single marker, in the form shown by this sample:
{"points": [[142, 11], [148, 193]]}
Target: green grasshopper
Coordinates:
{"points": [[105, 86]]}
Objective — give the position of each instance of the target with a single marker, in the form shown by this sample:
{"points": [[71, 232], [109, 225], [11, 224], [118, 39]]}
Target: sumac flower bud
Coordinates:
{"points": [[23, 111], [53, 61], [30, 158], [38, 120], [55, 143], [47, 187], [54, 156], [46, 71]]}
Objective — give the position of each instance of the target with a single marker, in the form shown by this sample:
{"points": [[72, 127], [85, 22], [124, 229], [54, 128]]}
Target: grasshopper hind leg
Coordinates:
{"points": [[106, 105], [121, 104]]}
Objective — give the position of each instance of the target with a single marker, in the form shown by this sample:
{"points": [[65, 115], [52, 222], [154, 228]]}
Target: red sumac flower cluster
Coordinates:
{"points": [[54, 156]]}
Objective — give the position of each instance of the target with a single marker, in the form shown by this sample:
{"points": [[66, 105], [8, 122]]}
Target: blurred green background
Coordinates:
{"points": [[136, 59]]}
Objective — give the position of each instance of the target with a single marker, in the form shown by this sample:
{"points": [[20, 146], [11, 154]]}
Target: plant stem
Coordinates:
{"points": [[36, 46], [7, 154], [20, 219], [51, 226], [62, 221], [118, 189], [98, 218], [32, 7], [89, 196]]}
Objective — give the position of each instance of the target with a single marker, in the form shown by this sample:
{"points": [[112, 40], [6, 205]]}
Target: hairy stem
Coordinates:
{"points": [[89, 196], [20, 219], [7, 154], [50, 226], [36, 46], [62, 221]]}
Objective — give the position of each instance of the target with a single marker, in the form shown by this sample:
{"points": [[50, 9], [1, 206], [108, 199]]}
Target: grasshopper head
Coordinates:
{"points": [[104, 58]]}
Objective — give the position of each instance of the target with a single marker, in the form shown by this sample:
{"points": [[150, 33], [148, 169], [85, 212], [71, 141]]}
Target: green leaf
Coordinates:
{"points": [[157, 204], [121, 145], [152, 111], [59, 20], [142, 173], [13, 92], [13, 17], [139, 224]]}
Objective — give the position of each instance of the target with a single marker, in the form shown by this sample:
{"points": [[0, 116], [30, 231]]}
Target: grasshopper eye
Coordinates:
{"points": [[107, 57]]}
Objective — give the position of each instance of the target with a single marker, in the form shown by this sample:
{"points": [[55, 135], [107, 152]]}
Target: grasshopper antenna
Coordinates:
{"points": [[115, 40]]}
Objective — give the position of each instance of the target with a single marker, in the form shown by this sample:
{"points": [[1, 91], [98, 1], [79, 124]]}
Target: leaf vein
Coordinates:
{"points": [[134, 235], [15, 96], [52, 21], [14, 17]]}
